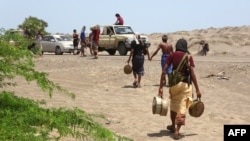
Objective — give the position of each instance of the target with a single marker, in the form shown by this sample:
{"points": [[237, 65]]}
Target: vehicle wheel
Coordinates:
{"points": [[122, 49], [58, 51], [100, 49], [111, 51]]}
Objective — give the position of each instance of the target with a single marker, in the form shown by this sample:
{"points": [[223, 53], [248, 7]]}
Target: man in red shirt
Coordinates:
{"points": [[119, 20], [95, 39]]}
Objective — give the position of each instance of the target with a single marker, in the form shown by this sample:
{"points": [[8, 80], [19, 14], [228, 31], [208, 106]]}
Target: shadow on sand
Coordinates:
{"points": [[168, 133]]}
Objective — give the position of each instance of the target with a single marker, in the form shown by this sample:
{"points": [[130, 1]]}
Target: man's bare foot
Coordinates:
{"points": [[171, 128], [138, 86], [164, 82], [135, 83], [177, 136]]}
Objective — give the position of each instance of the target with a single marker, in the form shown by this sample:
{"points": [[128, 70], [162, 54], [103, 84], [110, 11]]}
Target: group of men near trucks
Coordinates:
{"points": [[92, 41]]}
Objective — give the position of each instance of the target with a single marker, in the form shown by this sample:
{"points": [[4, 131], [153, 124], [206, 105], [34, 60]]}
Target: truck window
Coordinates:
{"points": [[110, 30], [123, 30]]}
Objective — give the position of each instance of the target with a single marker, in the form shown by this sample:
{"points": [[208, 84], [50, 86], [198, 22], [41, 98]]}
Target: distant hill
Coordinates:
{"points": [[226, 40]]}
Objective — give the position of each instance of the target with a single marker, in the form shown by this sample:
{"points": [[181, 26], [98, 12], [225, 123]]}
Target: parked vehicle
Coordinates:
{"points": [[58, 44], [118, 38]]}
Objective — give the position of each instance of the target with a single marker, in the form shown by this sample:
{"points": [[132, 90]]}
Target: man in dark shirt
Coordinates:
{"points": [[137, 52], [205, 47]]}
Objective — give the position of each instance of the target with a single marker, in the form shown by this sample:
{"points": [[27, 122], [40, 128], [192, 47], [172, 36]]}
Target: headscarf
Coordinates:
{"points": [[97, 26], [136, 38], [181, 45]]}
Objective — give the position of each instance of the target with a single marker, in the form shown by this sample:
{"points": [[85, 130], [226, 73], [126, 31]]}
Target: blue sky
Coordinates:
{"points": [[145, 16]]}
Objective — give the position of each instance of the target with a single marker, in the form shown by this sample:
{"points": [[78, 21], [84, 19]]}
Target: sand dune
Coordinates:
{"points": [[227, 40]]}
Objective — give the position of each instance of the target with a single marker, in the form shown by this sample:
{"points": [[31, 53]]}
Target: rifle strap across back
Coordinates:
{"points": [[181, 62]]}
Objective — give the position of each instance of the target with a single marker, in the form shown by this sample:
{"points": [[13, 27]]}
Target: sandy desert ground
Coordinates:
{"points": [[101, 87]]}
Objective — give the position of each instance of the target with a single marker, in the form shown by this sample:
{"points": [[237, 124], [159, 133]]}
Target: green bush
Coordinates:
{"points": [[23, 119]]}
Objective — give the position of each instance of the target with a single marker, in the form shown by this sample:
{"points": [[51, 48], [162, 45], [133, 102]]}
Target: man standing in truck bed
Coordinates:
{"points": [[166, 49]]}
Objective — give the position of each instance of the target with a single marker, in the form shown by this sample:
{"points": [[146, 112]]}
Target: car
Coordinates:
{"points": [[58, 44]]}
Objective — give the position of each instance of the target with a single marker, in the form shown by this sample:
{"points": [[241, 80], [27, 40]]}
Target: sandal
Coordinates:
{"points": [[135, 83], [177, 136], [171, 128]]}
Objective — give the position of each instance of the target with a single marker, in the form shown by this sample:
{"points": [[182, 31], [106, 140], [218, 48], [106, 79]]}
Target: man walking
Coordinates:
{"points": [[166, 49]]}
